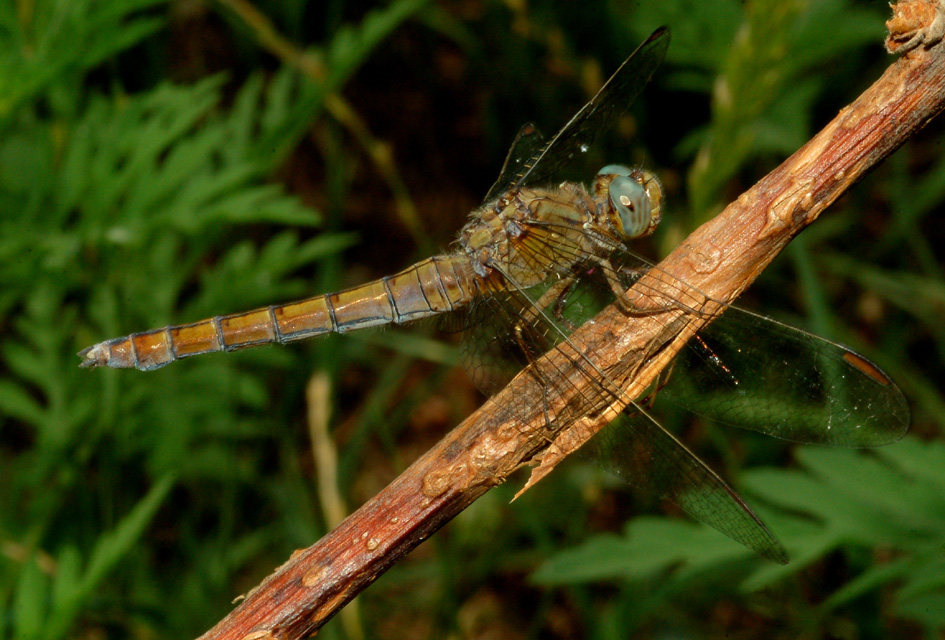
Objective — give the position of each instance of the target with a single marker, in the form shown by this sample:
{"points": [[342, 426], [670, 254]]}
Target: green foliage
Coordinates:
{"points": [[50, 46], [47, 605], [889, 500], [755, 59], [136, 191], [120, 212]]}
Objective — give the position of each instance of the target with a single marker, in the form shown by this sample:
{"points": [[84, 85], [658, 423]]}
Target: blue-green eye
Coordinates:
{"points": [[631, 204], [635, 198], [615, 170]]}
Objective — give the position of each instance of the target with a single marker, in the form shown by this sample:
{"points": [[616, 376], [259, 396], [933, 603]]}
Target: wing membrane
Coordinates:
{"points": [[513, 333], [828, 394], [528, 162], [527, 143], [598, 115], [755, 373], [748, 370], [820, 392]]}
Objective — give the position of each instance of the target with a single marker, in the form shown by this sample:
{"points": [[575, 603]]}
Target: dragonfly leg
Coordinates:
{"points": [[528, 349], [555, 297], [663, 301], [561, 301], [619, 288], [661, 381]]}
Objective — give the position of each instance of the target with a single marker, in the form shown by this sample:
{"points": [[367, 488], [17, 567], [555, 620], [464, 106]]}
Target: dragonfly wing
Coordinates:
{"points": [[491, 351], [511, 324], [526, 144], [599, 114], [514, 325], [640, 451], [742, 369], [756, 373]]}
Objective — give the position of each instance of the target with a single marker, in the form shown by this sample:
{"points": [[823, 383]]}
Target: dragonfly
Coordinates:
{"points": [[534, 263]]}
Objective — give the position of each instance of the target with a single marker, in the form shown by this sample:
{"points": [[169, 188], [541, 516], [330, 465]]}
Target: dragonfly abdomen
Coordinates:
{"points": [[433, 286]]}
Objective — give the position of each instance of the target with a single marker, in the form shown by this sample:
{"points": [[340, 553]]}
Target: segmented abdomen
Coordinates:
{"points": [[430, 287]]}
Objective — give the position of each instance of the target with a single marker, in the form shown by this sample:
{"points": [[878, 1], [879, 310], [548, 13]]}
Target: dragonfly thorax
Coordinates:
{"points": [[527, 234]]}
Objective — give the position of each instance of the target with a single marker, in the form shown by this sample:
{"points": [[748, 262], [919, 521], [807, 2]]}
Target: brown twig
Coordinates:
{"points": [[721, 258]]}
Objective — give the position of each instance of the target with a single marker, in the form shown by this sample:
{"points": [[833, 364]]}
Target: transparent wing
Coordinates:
{"points": [[637, 449], [512, 329], [743, 369], [527, 143], [820, 392], [598, 115], [756, 373]]}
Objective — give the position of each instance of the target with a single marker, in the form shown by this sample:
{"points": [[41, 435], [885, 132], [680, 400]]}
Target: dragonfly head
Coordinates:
{"points": [[634, 198]]}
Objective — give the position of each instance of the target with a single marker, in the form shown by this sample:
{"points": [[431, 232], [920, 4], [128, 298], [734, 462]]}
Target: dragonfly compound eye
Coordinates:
{"points": [[631, 206]]}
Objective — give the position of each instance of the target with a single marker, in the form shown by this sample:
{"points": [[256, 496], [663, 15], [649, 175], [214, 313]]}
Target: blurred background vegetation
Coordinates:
{"points": [[166, 160]]}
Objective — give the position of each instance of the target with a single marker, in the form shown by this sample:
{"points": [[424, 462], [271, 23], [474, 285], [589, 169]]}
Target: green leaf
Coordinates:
{"points": [[649, 547], [64, 40], [30, 602], [110, 549]]}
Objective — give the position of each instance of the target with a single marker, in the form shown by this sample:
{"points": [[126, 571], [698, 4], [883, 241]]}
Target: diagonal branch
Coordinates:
{"points": [[721, 258]]}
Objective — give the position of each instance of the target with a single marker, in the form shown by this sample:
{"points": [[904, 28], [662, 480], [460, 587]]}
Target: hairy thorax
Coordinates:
{"points": [[527, 234]]}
